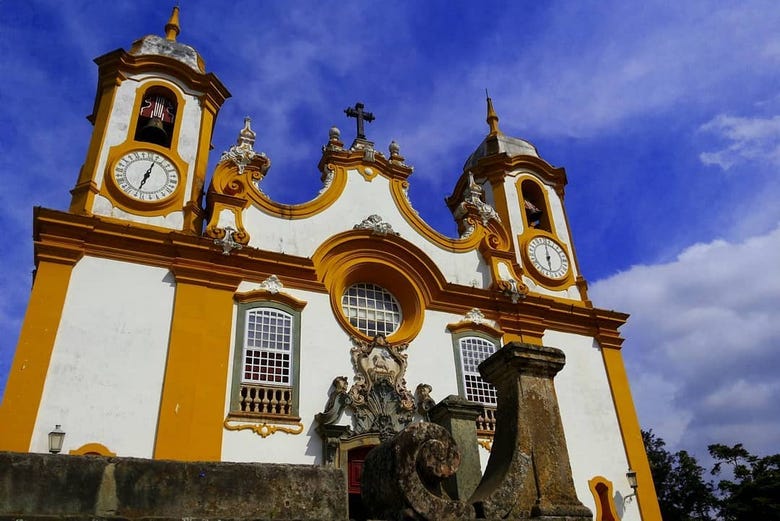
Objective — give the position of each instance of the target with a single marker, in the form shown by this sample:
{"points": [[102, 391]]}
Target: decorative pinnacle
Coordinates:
{"points": [[246, 137], [492, 117], [172, 28]]}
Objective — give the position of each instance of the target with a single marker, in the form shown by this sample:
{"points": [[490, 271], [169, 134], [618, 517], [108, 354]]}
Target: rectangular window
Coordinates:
{"points": [[265, 368]]}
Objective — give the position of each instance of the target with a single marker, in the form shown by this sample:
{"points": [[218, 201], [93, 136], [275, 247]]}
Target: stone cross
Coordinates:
{"points": [[358, 113]]}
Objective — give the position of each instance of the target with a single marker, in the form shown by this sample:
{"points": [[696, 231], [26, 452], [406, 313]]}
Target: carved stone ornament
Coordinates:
{"points": [[473, 196], [475, 316], [377, 225], [379, 399], [514, 290], [327, 178], [243, 152], [424, 401], [334, 140], [228, 241], [272, 285], [264, 429]]}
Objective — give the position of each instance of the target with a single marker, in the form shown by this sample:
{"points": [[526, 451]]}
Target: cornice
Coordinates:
{"points": [[120, 62], [496, 167], [65, 237]]}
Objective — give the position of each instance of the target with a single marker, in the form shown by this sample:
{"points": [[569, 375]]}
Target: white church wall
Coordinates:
{"points": [[360, 199], [324, 354], [117, 128], [431, 357], [106, 371], [589, 419]]}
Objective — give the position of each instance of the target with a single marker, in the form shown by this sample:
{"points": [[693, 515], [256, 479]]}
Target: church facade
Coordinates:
{"points": [[239, 328]]}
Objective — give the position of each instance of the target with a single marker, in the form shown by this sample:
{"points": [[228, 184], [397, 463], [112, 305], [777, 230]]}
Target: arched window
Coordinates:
{"points": [[156, 117], [537, 214], [371, 309]]}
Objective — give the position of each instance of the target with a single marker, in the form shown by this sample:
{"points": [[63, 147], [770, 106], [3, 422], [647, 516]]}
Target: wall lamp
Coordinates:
{"points": [[56, 437], [631, 477]]}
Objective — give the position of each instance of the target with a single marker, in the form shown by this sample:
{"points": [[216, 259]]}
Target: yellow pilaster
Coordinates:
{"points": [[26, 379], [632, 435], [193, 396]]}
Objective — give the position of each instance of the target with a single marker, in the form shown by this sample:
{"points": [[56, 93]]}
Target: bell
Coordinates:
{"points": [[532, 214], [154, 132]]}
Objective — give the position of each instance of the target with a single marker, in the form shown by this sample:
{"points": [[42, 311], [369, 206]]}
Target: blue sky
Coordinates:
{"points": [[666, 118]]}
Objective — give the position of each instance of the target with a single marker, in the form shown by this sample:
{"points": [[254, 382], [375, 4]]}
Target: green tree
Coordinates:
{"points": [[753, 492], [683, 493]]}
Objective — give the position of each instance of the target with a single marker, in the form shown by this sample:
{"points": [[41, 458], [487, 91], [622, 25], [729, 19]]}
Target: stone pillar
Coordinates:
{"points": [[528, 474], [458, 416]]}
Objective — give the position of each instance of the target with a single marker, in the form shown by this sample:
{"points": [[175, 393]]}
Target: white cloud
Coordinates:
{"points": [[751, 139], [702, 342]]}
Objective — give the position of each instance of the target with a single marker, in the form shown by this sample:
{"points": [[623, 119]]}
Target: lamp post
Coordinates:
{"points": [[56, 437]]}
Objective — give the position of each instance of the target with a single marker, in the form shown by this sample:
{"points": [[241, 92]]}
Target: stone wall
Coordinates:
{"points": [[87, 487]]}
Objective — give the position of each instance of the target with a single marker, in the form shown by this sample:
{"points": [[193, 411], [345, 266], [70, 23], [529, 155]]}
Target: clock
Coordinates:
{"points": [[548, 258], [146, 176]]}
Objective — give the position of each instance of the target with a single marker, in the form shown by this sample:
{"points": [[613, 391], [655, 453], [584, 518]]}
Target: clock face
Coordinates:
{"points": [[548, 258], [146, 175]]}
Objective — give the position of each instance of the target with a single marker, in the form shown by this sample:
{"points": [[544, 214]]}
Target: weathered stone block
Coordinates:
{"points": [[58, 486]]}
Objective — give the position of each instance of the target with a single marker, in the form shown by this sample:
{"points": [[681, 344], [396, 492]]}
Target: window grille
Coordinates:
{"points": [[268, 347], [473, 350], [371, 309]]}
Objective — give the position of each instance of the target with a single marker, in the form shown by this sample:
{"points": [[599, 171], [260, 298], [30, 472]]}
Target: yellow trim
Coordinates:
{"points": [[172, 28], [398, 189], [368, 173], [24, 389], [263, 429], [631, 433], [390, 262], [485, 443], [600, 515], [308, 209], [193, 395], [92, 448], [83, 194], [525, 321], [193, 213]]}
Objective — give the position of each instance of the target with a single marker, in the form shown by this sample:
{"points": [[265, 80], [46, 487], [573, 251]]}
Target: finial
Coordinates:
{"points": [[172, 29], [246, 137], [492, 117]]}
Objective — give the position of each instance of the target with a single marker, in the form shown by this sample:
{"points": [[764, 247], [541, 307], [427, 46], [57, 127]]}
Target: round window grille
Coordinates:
{"points": [[371, 309]]}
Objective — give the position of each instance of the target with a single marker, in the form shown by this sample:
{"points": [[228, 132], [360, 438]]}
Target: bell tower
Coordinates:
{"points": [[527, 194], [153, 119]]}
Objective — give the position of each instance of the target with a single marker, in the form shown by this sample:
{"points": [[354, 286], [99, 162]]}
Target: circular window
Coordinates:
{"points": [[371, 309]]}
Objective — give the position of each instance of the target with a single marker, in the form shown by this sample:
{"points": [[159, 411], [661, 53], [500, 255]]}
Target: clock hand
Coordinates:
{"points": [[146, 175], [547, 255]]}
